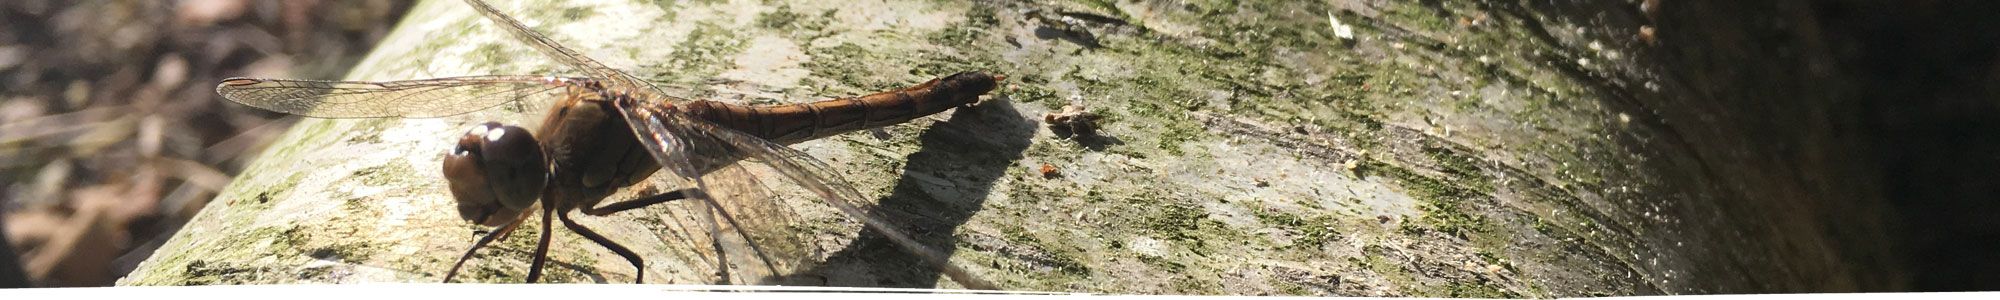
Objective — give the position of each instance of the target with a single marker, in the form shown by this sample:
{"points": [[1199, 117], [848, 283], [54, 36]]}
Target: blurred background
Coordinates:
{"points": [[111, 135]]}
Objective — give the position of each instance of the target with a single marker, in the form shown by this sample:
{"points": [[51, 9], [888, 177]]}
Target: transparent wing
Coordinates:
{"points": [[425, 98], [724, 234], [755, 230], [614, 79], [734, 214], [688, 147], [686, 231]]}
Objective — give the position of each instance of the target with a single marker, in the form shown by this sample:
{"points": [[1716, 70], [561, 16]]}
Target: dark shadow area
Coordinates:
{"points": [[1097, 142], [1866, 132], [1079, 37], [1092, 141], [1813, 146], [942, 186], [1930, 101]]}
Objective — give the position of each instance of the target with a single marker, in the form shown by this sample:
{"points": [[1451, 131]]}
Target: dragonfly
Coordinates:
{"points": [[610, 131]]}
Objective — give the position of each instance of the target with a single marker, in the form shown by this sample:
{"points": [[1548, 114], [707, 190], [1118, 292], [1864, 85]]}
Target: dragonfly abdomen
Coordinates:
{"points": [[793, 123]]}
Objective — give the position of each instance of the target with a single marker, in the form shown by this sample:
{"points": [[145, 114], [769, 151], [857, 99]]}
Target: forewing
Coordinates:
{"points": [[616, 80], [613, 78], [426, 98], [687, 145]]}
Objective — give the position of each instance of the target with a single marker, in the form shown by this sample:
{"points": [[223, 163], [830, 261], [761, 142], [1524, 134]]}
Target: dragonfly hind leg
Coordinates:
{"points": [[640, 265]]}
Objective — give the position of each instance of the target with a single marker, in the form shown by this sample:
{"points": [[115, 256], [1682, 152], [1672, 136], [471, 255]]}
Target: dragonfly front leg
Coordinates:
{"points": [[542, 247], [630, 256], [619, 206], [489, 238]]}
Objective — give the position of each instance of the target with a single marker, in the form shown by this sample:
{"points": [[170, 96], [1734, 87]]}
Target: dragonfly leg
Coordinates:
{"points": [[640, 277], [489, 238], [635, 203], [542, 247]]}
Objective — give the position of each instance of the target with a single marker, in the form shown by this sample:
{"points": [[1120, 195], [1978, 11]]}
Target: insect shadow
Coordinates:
{"points": [[968, 154]]}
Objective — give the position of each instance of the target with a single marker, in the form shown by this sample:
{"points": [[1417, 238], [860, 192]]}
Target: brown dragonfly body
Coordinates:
{"points": [[609, 131], [591, 152], [614, 159]]}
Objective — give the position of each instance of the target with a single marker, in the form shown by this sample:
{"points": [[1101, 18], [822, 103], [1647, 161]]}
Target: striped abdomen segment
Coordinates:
{"points": [[788, 124]]}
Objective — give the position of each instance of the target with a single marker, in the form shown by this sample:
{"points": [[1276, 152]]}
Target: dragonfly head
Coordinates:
{"points": [[495, 172]]}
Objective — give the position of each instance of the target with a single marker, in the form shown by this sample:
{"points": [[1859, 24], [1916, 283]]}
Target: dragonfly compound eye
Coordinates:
{"points": [[495, 173]]}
